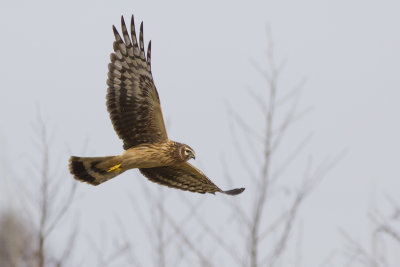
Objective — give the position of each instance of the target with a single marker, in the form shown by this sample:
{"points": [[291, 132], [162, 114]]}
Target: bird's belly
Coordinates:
{"points": [[145, 157]]}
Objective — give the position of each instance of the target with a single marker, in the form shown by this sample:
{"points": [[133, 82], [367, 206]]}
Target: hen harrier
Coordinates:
{"points": [[135, 111]]}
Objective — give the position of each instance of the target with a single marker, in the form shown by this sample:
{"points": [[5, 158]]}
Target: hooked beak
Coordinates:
{"points": [[193, 156]]}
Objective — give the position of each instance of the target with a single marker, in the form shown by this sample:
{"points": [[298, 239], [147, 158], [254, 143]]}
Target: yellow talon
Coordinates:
{"points": [[115, 168]]}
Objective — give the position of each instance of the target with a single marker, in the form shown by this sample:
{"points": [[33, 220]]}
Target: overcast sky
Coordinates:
{"points": [[55, 55]]}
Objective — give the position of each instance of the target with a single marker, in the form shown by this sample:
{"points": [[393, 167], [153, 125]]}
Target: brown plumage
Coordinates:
{"points": [[135, 112]]}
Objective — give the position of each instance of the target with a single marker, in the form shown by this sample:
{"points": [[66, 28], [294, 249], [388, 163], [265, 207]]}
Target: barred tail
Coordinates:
{"points": [[95, 170]]}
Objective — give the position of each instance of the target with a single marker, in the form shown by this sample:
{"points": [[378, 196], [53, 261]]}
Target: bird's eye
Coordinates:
{"points": [[187, 151]]}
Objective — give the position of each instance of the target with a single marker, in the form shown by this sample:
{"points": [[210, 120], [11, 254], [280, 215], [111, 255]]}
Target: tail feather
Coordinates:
{"points": [[95, 170]]}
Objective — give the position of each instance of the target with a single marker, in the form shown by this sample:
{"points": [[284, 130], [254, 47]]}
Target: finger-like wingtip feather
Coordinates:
{"points": [[149, 55], [133, 32], [233, 192], [125, 32], [141, 42], [115, 30], [117, 36]]}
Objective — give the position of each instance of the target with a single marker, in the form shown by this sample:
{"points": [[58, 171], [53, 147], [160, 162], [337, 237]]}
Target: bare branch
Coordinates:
{"points": [[273, 226], [49, 195], [292, 94], [242, 156], [259, 100], [262, 195], [357, 253], [64, 209], [291, 157], [242, 216], [68, 249], [281, 244], [203, 259], [243, 124], [383, 226], [260, 70], [232, 252]]}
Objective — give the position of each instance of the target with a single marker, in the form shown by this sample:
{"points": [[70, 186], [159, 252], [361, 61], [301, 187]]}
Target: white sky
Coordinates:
{"points": [[56, 55]]}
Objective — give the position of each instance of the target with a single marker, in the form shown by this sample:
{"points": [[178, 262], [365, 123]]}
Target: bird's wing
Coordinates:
{"points": [[132, 98], [185, 176]]}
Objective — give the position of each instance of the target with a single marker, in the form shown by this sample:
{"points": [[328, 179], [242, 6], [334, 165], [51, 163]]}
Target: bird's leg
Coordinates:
{"points": [[115, 168]]}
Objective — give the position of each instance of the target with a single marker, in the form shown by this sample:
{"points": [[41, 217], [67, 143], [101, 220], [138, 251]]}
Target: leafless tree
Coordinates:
{"points": [[279, 111], [47, 197], [113, 251], [170, 238], [384, 240]]}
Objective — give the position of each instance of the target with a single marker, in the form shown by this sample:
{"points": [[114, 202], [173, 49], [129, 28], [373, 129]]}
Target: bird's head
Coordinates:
{"points": [[186, 152]]}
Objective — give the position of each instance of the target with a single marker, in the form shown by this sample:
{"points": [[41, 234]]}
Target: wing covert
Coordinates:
{"points": [[185, 176], [132, 98]]}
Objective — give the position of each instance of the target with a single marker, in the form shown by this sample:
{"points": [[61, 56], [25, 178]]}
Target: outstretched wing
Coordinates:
{"points": [[132, 98], [186, 177]]}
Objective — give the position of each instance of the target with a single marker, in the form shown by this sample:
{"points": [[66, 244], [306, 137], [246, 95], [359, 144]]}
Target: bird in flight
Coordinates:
{"points": [[135, 112]]}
